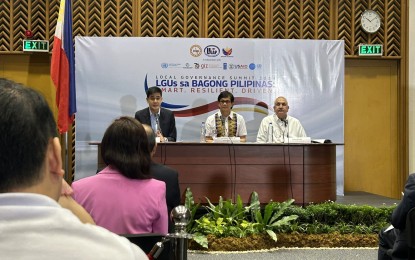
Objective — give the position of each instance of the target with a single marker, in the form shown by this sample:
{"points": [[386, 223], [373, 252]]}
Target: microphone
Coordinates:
{"points": [[285, 122], [286, 128]]}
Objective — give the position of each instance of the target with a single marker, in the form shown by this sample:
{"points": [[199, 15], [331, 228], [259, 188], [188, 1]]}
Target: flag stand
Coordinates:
{"points": [[65, 157]]}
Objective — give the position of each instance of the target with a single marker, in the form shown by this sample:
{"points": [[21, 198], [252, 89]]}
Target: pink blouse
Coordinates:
{"points": [[123, 205]]}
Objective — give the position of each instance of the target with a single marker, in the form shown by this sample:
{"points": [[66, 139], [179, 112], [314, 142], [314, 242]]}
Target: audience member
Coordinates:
{"points": [[123, 197], [166, 174], [392, 240], [32, 224], [283, 125], [225, 122], [66, 201], [161, 120]]}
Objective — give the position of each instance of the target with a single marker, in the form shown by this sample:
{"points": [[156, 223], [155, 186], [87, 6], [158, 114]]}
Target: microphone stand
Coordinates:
{"points": [[287, 129], [231, 149], [157, 123]]}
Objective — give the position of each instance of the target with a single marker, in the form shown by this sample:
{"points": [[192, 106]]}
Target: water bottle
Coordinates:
{"points": [[270, 138], [203, 133]]}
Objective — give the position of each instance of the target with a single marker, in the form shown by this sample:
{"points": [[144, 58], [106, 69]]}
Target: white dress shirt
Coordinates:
{"points": [[33, 226], [281, 130], [210, 124]]}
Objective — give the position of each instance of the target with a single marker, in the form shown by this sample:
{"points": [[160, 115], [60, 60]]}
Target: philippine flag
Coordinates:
{"points": [[62, 69]]}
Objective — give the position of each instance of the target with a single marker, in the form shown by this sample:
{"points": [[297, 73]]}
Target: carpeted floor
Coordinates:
{"points": [[300, 254], [364, 198]]}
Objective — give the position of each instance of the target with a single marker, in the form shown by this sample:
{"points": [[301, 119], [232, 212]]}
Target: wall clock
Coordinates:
{"points": [[370, 21]]}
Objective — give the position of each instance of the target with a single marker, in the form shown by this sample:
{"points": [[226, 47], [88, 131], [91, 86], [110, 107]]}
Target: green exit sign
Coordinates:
{"points": [[370, 49], [36, 45]]}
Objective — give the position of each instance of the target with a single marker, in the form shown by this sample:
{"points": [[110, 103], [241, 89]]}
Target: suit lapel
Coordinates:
{"points": [[148, 117], [161, 121]]}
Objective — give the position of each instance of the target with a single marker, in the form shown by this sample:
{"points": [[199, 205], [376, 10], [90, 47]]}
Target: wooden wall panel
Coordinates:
{"points": [[287, 19]]}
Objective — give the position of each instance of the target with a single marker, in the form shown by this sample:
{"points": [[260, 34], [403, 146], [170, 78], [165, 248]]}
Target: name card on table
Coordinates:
{"points": [[298, 140], [228, 140]]}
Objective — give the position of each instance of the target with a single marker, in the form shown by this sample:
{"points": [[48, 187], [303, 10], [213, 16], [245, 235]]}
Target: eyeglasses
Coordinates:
{"points": [[225, 101]]}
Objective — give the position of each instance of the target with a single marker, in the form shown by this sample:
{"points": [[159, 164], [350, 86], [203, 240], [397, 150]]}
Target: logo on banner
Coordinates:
{"points": [[252, 66], [212, 51], [195, 50], [213, 66], [187, 66], [225, 66], [207, 66], [165, 65], [227, 51], [237, 66]]}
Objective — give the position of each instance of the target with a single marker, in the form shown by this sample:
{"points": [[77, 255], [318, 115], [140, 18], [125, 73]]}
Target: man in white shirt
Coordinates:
{"points": [[225, 122], [32, 223], [283, 126]]}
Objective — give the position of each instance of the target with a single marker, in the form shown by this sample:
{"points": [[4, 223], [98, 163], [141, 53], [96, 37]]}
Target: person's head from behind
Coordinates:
{"points": [[154, 99], [124, 147], [225, 102], [151, 136], [281, 107], [30, 159]]}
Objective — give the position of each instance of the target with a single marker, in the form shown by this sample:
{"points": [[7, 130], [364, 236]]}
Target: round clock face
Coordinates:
{"points": [[370, 21]]}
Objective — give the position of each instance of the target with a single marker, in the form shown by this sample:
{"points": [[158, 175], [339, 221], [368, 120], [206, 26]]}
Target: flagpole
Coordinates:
{"points": [[65, 160]]}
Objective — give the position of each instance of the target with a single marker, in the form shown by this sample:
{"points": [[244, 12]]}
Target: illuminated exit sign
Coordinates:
{"points": [[36, 45], [370, 49]]}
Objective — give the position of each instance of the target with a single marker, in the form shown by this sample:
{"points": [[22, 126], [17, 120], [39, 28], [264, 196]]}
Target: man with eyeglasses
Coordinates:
{"points": [[160, 119], [225, 122]]}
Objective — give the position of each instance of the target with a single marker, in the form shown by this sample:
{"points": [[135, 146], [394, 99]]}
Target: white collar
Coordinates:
{"points": [[230, 115], [151, 113]]}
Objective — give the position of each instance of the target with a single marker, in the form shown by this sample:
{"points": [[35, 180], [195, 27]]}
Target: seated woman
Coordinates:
{"points": [[123, 197]]}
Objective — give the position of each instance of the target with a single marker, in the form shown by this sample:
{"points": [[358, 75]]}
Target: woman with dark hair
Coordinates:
{"points": [[123, 197]]}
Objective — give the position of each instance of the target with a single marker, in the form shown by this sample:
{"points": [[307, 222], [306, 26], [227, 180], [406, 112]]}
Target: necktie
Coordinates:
{"points": [[157, 126]]}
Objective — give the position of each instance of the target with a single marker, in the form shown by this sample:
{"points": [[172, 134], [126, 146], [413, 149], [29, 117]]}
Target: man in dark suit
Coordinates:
{"points": [[160, 119], [392, 240], [166, 174]]}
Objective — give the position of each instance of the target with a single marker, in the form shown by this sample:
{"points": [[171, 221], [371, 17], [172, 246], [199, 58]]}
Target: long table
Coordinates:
{"points": [[304, 172]]}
